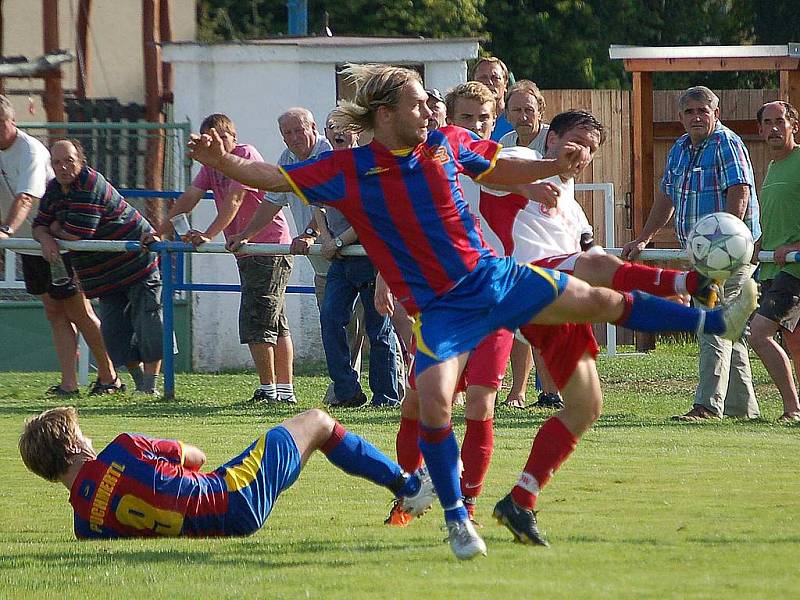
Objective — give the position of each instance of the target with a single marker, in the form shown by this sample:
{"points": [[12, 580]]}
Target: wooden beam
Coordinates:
{"points": [[765, 63], [83, 78], [642, 165], [53, 93], [165, 31], [790, 87], [155, 211]]}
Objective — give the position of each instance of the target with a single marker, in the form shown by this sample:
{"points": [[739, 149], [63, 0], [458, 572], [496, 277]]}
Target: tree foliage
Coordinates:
{"points": [[557, 43]]}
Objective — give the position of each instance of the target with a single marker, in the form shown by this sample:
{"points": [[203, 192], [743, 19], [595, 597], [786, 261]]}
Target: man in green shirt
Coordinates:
{"points": [[780, 280]]}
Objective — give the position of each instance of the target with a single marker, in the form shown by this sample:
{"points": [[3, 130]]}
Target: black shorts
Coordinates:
{"points": [[38, 281], [780, 300]]}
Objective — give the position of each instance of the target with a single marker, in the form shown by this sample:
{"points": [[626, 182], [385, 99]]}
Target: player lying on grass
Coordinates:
{"points": [[140, 486], [401, 195]]}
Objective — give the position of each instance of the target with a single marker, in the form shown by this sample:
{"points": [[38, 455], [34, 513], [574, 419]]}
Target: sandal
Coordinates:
{"points": [[57, 390], [100, 389], [793, 417]]}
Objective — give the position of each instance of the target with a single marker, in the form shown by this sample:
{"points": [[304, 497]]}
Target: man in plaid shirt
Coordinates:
{"points": [[708, 170]]}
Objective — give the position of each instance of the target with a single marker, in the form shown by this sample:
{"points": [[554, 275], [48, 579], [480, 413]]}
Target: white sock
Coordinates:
{"points": [[285, 390], [680, 284], [269, 388]]}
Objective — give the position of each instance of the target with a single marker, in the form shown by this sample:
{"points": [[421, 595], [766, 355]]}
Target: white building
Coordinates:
{"points": [[254, 82]]}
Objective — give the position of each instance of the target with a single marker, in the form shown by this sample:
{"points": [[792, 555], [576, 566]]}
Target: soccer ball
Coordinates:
{"points": [[719, 244]]}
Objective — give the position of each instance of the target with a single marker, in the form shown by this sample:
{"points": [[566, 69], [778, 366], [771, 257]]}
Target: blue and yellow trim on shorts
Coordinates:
{"points": [[245, 473]]}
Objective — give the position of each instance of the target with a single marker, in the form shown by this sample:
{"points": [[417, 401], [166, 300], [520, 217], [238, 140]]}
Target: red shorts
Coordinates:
{"points": [[486, 365], [561, 346]]}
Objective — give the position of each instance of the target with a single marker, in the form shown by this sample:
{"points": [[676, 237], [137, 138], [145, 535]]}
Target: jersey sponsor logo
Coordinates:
{"points": [[376, 171], [103, 496], [436, 153]]}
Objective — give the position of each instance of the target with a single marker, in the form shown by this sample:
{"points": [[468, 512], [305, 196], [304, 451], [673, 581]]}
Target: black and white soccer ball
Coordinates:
{"points": [[719, 244]]}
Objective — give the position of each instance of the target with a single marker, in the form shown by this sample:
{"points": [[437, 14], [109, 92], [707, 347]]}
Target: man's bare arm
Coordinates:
{"points": [[736, 199], [19, 211], [509, 170], [208, 150]]}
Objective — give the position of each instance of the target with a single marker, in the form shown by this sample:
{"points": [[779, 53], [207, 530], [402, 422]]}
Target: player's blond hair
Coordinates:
{"points": [[48, 441], [376, 85], [471, 90], [526, 86]]}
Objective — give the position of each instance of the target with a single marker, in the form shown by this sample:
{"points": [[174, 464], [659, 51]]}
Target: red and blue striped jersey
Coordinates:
{"points": [[407, 207], [138, 487]]}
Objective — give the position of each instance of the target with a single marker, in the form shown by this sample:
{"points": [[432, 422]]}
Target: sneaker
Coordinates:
{"points": [[397, 516], [421, 502], [260, 395], [698, 413], [357, 401], [737, 313], [464, 540], [287, 399], [707, 290], [521, 522], [152, 393], [101, 389], [549, 401], [57, 390]]}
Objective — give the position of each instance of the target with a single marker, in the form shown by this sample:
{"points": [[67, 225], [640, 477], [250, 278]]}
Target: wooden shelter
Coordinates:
{"points": [[643, 61]]}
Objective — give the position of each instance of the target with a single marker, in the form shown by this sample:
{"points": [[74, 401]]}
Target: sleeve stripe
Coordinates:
{"points": [[492, 163], [295, 189]]}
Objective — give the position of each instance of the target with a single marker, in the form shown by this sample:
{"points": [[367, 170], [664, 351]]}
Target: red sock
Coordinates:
{"points": [[407, 445], [551, 447], [653, 280], [476, 453]]}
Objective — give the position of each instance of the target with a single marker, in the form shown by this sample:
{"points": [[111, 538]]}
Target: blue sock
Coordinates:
{"points": [[644, 312], [356, 456], [440, 449]]}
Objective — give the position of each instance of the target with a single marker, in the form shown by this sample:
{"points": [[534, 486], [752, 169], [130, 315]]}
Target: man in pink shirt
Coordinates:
{"points": [[262, 317]]}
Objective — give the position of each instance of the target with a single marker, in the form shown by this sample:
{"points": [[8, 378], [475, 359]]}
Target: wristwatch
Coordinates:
{"points": [[6, 229], [311, 232], [339, 242]]}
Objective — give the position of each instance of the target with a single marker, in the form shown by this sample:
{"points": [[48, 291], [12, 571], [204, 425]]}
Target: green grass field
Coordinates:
{"points": [[646, 508]]}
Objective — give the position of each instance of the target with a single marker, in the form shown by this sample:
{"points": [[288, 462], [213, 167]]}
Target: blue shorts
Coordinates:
{"points": [[498, 294], [256, 478]]}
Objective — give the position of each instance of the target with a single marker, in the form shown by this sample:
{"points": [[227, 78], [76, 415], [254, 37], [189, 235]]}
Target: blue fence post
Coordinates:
{"points": [[167, 298]]}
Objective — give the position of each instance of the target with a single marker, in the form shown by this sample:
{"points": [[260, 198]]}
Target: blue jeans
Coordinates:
{"points": [[348, 278]]}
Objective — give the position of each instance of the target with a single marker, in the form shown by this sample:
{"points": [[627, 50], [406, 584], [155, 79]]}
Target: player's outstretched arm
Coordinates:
{"points": [[511, 170], [208, 150]]}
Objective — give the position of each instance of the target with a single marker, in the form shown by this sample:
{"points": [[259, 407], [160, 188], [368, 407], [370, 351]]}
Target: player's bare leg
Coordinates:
{"points": [[317, 430]]}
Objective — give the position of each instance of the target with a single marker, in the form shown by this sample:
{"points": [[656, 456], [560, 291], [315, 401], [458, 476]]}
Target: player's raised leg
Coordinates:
{"points": [[317, 430], [581, 303]]}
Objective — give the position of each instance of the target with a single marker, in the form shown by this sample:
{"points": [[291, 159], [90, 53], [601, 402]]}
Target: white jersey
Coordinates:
{"points": [[527, 229], [472, 194], [24, 169]]}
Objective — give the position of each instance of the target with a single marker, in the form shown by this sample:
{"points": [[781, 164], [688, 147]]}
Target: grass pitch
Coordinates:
{"points": [[645, 508]]}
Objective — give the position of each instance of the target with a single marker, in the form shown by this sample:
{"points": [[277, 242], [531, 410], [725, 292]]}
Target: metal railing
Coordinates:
{"points": [[171, 284]]}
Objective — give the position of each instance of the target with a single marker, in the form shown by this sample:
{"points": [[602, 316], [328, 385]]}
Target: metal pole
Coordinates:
{"points": [[167, 297]]}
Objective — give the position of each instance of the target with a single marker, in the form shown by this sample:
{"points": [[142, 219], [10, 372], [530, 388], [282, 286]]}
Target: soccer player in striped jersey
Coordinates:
{"points": [[401, 195], [139, 486]]}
